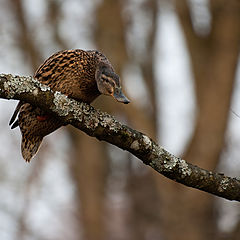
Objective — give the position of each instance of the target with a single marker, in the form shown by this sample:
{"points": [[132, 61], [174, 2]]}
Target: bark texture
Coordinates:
{"points": [[103, 126]]}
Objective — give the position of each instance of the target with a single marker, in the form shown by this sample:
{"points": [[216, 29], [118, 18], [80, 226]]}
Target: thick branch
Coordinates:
{"points": [[105, 127]]}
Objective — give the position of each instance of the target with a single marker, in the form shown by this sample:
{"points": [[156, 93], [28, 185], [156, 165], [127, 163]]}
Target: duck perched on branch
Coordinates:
{"points": [[81, 75]]}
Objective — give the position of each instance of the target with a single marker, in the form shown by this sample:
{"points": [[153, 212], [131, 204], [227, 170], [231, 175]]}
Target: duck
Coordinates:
{"points": [[82, 75]]}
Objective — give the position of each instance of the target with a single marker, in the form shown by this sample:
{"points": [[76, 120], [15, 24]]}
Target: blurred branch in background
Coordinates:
{"points": [[24, 35], [54, 16]]}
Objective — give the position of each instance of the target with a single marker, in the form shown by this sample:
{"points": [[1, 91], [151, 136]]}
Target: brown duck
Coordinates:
{"points": [[81, 75]]}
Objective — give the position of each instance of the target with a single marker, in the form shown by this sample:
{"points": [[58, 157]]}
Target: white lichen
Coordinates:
{"points": [[6, 88], [76, 108], [143, 143], [91, 122], [61, 103], [35, 92], [135, 145], [109, 121], [106, 120], [44, 88], [17, 85], [170, 162], [146, 141], [223, 184], [183, 166], [22, 84]]}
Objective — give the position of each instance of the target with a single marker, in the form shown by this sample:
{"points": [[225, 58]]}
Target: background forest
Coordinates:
{"points": [[179, 64]]}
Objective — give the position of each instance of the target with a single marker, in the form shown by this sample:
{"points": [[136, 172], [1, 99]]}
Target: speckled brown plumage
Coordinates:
{"points": [[82, 75]]}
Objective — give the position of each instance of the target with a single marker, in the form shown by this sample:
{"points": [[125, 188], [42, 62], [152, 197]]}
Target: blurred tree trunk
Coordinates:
{"points": [[91, 161], [187, 213], [89, 170], [54, 16], [146, 222], [214, 60], [147, 62], [23, 35], [233, 235], [30, 52], [110, 37]]}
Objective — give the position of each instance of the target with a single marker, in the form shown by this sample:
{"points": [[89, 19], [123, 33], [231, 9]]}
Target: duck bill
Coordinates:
{"points": [[120, 97]]}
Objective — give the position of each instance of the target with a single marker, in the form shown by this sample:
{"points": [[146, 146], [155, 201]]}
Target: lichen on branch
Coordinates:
{"points": [[105, 127]]}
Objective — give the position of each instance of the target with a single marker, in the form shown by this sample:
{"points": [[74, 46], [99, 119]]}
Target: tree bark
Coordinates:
{"points": [[103, 126]]}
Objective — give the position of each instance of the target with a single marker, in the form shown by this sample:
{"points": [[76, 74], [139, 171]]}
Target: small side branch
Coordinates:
{"points": [[105, 127]]}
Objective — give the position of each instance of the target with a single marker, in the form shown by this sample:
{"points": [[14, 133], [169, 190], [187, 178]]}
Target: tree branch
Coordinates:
{"points": [[103, 126]]}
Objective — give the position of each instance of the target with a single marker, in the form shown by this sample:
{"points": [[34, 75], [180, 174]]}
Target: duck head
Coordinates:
{"points": [[108, 83]]}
